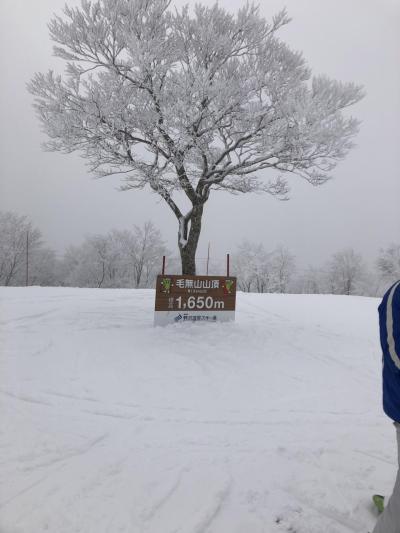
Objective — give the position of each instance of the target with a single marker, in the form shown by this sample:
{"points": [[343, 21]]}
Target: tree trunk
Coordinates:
{"points": [[188, 243], [100, 283]]}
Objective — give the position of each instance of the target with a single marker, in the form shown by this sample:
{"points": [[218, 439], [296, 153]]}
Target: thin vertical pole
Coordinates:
{"points": [[163, 265], [227, 265], [27, 258], [208, 257]]}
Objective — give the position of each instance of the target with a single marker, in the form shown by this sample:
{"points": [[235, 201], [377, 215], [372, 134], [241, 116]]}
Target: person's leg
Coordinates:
{"points": [[389, 521]]}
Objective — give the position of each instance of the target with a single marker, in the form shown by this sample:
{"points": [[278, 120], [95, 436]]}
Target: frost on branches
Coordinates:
{"points": [[190, 101], [388, 263]]}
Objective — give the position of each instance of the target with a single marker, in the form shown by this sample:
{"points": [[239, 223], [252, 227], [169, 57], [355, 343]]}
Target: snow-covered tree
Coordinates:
{"points": [[346, 271], [190, 101], [19, 242], [146, 252], [258, 270], [311, 281], [96, 263], [282, 268], [68, 265], [43, 269], [388, 263], [249, 264], [83, 261], [120, 258]]}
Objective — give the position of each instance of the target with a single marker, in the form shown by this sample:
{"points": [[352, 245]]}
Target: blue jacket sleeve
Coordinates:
{"points": [[389, 321], [396, 321]]}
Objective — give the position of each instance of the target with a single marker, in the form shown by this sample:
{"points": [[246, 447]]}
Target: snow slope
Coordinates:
{"points": [[270, 424]]}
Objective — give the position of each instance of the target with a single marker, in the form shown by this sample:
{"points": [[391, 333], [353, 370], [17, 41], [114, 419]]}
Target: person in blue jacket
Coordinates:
{"points": [[389, 325]]}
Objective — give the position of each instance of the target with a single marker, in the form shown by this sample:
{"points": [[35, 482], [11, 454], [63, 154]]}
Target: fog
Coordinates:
{"points": [[349, 40]]}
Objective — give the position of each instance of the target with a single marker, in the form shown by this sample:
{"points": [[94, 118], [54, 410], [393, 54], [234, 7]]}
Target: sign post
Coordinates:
{"points": [[194, 299]]}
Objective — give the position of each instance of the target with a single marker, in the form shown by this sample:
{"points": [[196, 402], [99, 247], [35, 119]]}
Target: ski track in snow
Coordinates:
{"points": [[210, 516], [148, 515], [271, 424], [333, 515]]}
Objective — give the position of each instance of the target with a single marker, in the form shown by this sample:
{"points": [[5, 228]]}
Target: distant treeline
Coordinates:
{"points": [[132, 259]]}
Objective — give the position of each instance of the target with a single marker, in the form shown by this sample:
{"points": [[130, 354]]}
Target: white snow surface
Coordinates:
{"points": [[270, 424]]}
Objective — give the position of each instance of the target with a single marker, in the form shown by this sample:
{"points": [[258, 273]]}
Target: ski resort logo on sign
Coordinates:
{"points": [[194, 299]]}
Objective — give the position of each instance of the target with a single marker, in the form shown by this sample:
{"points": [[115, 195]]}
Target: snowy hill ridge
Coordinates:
{"points": [[269, 424]]}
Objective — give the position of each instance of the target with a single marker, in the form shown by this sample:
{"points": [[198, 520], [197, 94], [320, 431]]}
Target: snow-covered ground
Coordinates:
{"points": [[269, 424]]}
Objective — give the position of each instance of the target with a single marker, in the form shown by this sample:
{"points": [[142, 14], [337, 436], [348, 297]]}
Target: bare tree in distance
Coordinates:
{"points": [[283, 266], [346, 271], [259, 270], [251, 266], [147, 252], [44, 267], [121, 258], [19, 240], [388, 263], [312, 280], [190, 102], [99, 262]]}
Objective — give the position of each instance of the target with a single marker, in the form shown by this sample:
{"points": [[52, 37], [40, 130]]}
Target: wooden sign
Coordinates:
{"points": [[194, 299]]}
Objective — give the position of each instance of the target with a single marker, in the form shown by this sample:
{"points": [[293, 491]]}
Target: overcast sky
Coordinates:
{"points": [[349, 40]]}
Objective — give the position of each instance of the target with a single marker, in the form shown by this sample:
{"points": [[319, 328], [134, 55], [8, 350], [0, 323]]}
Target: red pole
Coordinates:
{"points": [[163, 265], [227, 265]]}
